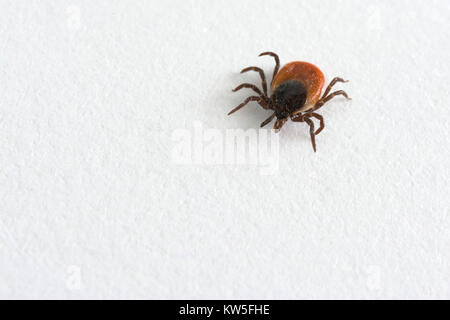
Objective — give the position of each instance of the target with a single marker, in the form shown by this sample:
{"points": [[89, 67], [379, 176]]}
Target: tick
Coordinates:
{"points": [[295, 94]]}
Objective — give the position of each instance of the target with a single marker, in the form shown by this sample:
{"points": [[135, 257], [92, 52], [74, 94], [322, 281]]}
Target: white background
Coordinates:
{"points": [[92, 204]]}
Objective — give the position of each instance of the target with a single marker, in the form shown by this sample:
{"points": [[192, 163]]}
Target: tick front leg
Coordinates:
{"points": [[322, 122], [249, 99], [311, 132], [302, 118], [268, 120]]}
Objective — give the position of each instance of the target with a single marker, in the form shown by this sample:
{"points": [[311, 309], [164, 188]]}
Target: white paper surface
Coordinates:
{"points": [[93, 204]]}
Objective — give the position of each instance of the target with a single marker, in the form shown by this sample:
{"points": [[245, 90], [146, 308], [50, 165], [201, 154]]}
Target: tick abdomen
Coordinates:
{"points": [[305, 73]]}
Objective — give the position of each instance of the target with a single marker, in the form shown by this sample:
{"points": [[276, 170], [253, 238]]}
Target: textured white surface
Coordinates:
{"points": [[92, 206]]}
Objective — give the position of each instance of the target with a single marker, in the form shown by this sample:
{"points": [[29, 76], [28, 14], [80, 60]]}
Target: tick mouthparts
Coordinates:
{"points": [[278, 124]]}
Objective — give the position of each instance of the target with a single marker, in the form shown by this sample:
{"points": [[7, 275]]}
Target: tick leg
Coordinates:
{"points": [[249, 99], [311, 132], [256, 90], [322, 123], [277, 62], [322, 101], [334, 94], [261, 74], [303, 118], [249, 86], [268, 120], [332, 83]]}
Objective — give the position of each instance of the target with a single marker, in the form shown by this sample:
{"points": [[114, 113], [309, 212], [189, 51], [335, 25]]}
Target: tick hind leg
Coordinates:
{"points": [[322, 101], [277, 62], [261, 74], [332, 83], [249, 86], [261, 102], [263, 97]]}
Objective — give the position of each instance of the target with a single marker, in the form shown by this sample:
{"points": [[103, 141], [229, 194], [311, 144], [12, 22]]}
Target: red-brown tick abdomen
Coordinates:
{"points": [[306, 73]]}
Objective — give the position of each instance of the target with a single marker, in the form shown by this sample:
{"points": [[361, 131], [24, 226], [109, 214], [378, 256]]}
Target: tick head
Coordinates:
{"points": [[281, 113], [279, 123]]}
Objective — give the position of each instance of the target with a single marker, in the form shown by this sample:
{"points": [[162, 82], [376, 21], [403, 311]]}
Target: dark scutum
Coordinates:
{"points": [[288, 97]]}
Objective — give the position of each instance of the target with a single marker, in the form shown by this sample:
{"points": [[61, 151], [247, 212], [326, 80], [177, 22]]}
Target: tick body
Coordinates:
{"points": [[295, 93]]}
